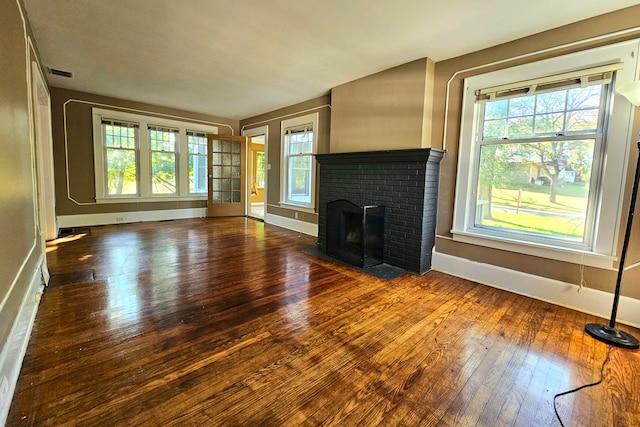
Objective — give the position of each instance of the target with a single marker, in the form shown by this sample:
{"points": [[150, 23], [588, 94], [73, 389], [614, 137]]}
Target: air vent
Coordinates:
{"points": [[60, 73]]}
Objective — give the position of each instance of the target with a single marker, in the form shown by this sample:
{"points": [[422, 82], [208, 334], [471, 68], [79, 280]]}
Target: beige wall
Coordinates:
{"points": [[73, 109], [454, 71], [20, 249], [273, 120], [384, 111]]}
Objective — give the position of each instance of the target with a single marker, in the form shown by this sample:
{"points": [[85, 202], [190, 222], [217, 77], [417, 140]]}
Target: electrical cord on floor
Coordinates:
{"points": [[604, 364]]}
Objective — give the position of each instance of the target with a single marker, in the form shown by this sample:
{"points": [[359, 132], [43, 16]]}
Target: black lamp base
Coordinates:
{"points": [[612, 336]]}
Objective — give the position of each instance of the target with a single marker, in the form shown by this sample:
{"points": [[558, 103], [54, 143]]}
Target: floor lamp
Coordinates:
{"points": [[610, 334]]}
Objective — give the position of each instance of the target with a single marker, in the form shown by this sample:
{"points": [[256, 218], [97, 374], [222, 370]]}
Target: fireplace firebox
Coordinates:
{"points": [[355, 234]]}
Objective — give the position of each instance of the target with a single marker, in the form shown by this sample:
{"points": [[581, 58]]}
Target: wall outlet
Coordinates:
{"points": [[295, 214]]}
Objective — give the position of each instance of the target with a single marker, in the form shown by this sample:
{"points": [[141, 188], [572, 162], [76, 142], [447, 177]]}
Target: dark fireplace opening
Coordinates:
{"points": [[355, 234]]}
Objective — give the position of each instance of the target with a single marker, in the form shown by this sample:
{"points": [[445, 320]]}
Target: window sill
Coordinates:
{"points": [[152, 199], [298, 208], [573, 256]]}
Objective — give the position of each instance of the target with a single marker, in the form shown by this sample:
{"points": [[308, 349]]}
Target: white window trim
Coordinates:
{"points": [[298, 121], [614, 171], [144, 157]]}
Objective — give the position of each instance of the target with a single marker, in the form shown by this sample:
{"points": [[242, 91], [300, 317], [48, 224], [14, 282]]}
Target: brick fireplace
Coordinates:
{"points": [[405, 182]]}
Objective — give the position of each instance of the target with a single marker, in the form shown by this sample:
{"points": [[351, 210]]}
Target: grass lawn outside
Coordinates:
{"points": [[536, 214]]}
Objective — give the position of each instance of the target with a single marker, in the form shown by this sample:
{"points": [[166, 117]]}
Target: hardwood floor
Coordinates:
{"points": [[229, 322]]}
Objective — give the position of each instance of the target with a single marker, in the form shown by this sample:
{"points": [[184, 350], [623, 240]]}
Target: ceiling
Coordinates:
{"points": [[240, 58]]}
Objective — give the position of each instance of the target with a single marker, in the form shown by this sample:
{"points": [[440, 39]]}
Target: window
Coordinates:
{"points": [[298, 164], [197, 145], [260, 168], [163, 143], [120, 147], [536, 142], [134, 166], [538, 164]]}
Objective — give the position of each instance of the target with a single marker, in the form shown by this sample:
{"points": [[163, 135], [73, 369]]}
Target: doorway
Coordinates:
{"points": [[258, 165], [257, 171]]}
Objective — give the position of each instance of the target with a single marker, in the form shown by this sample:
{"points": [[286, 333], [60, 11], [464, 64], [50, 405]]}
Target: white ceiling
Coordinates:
{"points": [[239, 58]]}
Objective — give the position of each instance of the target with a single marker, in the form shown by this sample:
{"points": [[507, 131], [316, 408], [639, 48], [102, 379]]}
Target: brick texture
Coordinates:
{"points": [[405, 182]]}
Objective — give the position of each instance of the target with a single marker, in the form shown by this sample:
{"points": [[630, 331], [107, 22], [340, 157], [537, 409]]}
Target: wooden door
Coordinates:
{"points": [[227, 175]]}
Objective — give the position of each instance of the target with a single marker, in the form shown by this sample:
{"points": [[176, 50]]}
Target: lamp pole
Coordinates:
{"points": [[610, 334]]}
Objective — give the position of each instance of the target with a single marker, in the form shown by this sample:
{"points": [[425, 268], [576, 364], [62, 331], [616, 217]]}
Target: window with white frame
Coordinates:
{"points": [[541, 148], [120, 153], [197, 146], [299, 141], [163, 143], [134, 166]]}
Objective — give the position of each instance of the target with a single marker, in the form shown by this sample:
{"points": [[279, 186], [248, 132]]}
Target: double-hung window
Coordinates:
{"points": [[298, 164], [145, 158], [163, 144], [197, 146], [542, 153], [120, 153]]}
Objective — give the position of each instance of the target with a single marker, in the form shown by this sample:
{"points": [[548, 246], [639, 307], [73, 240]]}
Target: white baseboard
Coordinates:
{"points": [[13, 351], [83, 220], [590, 301], [292, 224]]}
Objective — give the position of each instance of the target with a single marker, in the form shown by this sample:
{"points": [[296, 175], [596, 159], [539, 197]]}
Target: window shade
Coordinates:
{"points": [[195, 133], [299, 129], [162, 129], [120, 123], [579, 78]]}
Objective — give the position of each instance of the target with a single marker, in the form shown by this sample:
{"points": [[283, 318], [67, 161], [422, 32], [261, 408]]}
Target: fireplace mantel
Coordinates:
{"points": [[387, 156], [405, 182]]}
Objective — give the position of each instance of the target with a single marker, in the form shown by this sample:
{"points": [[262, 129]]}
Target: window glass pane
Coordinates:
{"points": [[535, 188], [550, 102], [582, 120], [494, 129], [550, 123], [163, 173], [260, 168], [520, 126], [523, 106], [121, 172], [197, 146], [162, 140], [197, 174], [574, 110], [496, 110], [299, 174]]}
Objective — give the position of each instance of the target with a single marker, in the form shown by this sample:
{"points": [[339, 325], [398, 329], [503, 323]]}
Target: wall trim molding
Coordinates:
{"points": [[84, 220], [13, 351], [590, 301], [292, 224]]}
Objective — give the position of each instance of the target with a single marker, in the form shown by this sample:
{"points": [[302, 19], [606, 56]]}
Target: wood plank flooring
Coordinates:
{"points": [[225, 322]]}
